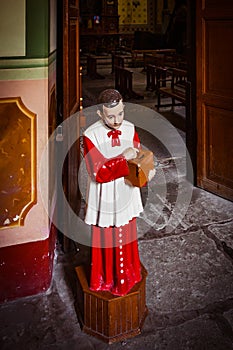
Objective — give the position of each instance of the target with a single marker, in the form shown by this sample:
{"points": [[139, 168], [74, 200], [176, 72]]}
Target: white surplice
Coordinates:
{"points": [[112, 203]]}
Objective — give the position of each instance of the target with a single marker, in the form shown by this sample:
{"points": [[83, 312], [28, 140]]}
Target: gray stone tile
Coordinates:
{"points": [[193, 207], [165, 208], [206, 208], [183, 208], [224, 232], [229, 317], [185, 272], [201, 333]]}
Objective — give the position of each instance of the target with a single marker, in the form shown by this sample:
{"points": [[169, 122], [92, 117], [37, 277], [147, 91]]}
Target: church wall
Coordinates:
{"points": [[28, 76]]}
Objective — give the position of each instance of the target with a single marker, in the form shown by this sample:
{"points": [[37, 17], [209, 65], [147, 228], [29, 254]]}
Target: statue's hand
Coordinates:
{"points": [[130, 153]]}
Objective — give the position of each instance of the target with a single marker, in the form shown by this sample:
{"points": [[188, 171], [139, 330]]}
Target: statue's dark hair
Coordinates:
{"points": [[109, 98]]}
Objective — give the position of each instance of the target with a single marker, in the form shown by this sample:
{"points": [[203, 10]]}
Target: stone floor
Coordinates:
{"points": [[189, 259]]}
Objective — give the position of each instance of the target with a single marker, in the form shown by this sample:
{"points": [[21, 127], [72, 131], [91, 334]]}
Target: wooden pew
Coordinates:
{"points": [[155, 60], [160, 59], [124, 83], [92, 65], [117, 60], [175, 87], [154, 73], [150, 77], [138, 56]]}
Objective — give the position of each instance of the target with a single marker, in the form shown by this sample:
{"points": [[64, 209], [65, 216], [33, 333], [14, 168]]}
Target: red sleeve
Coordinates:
{"points": [[136, 140], [102, 169]]}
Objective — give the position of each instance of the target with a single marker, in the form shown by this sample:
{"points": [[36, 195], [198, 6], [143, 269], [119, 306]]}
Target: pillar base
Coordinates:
{"points": [[112, 318]]}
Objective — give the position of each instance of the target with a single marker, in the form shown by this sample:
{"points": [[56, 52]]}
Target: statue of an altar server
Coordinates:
{"points": [[112, 203]]}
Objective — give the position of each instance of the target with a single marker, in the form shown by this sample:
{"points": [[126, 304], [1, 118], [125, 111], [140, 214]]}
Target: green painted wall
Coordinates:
{"points": [[37, 28]]}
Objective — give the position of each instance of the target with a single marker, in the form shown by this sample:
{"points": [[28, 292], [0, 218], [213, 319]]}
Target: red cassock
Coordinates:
{"points": [[115, 262]]}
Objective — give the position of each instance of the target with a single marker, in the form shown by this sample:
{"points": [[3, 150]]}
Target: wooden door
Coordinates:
{"points": [[214, 55], [69, 95], [71, 92]]}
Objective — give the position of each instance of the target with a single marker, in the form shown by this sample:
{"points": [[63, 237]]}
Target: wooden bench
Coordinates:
{"points": [[124, 83], [155, 59], [92, 65], [150, 77], [173, 87], [117, 60], [139, 55], [152, 61], [154, 74]]}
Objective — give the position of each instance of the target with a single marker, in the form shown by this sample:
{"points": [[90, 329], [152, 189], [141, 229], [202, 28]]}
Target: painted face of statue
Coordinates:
{"points": [[113, 117]]}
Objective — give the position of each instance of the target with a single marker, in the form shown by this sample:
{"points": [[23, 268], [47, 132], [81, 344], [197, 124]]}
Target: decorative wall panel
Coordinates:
{"points": [[133, 12], [12, 28], [136, 15], [17, 161]]}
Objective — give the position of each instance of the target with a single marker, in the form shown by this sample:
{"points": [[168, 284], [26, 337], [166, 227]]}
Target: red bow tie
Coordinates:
{"points": [[115, 137]]}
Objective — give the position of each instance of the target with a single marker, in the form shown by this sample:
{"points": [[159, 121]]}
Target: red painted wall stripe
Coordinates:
{"points": [[26, 269]]}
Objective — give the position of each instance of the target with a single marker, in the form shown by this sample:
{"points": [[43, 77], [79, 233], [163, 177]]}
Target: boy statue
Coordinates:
{"points": [[112, 203]]}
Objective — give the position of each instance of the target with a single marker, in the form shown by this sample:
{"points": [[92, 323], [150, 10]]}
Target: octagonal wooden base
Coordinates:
{"points": [[112, 318]]}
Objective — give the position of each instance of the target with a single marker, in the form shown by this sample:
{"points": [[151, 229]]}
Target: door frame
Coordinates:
{"points": [[191, 120], [68, 101]]}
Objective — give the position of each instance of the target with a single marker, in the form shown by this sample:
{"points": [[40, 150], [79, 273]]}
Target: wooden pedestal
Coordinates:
{"points": [[112, 318]]}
